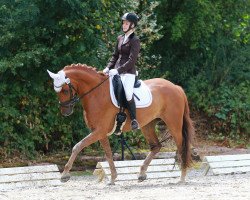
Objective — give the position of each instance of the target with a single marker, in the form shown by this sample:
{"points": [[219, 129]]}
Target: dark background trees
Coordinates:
{"points": [[201, 45]]}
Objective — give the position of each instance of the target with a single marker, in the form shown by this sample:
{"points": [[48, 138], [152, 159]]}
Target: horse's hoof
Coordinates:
{"points": [[65, 177], [142, 178], [182, 182], [111, 183]]}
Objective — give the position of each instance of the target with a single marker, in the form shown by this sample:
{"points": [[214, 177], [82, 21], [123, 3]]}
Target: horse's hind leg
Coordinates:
{"points": [[106, 147], [175, 127], [155, 146]]}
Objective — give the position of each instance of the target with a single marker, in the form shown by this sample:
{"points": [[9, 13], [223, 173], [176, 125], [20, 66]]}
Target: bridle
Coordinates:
{"points": [[75, 98]]}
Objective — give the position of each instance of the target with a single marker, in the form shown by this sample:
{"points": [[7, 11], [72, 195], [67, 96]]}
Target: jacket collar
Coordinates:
{"points": [[129, 38]]}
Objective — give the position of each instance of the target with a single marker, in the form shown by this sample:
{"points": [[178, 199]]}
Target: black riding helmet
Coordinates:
{"points": [[131, 17]]}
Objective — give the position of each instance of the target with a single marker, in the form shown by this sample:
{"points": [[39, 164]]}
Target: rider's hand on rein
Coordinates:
{"points": [[113, 72]]}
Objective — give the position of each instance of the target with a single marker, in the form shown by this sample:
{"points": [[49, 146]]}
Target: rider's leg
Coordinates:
{"points": [[132, 112], [128, 81]]}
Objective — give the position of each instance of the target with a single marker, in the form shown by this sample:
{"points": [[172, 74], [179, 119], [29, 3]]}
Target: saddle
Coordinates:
{"points": [[119, 90], [143, 98]]}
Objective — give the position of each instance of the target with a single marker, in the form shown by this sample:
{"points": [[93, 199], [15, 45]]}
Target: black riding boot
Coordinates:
{"points": [[132, 112]]}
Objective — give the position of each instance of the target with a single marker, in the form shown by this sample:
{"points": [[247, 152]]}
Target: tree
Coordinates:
{"points": [[39, 35], [49, 34], [205, 48]]}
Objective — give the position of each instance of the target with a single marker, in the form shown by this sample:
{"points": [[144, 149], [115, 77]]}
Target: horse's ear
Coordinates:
{"points": [[53, 75]]}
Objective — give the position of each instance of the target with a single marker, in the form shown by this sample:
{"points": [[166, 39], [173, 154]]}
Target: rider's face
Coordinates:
{"points": [[125, 25]]}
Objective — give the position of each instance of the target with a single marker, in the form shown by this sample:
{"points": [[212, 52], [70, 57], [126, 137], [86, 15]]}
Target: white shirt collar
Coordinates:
{"points": [[126, 36]]}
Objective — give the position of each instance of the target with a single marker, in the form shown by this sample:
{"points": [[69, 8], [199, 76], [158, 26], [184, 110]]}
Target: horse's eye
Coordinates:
{"points": [[65, 92]]}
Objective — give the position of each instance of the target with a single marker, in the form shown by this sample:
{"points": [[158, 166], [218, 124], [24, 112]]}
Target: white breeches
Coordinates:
{"points": [[128, 81]]}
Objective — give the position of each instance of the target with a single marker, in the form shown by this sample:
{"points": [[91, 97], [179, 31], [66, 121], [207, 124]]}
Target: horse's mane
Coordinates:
{"points": [[84, 67]]}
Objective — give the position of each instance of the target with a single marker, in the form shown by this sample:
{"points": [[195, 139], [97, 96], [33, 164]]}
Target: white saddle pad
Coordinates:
{"points": [[143, 93]]}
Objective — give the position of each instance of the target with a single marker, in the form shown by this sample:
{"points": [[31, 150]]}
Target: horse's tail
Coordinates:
{"points": [[187, 134]]}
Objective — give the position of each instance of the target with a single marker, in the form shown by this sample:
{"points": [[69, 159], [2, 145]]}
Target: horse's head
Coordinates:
{"points": [[66, 92]]}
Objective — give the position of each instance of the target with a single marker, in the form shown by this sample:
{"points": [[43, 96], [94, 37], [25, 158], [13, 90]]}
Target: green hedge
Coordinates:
{"points": [[201, 45]]}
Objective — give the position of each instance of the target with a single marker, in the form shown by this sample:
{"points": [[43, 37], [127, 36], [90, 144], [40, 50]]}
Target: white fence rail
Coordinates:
{"points": [[32, 176], [129, 170], [227, 164]]}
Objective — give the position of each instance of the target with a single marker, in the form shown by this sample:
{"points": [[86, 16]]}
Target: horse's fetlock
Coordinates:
{"points": [[67, 167], [143, 169]]}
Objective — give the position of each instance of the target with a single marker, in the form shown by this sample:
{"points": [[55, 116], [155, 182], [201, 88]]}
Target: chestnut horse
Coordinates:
{"points": [[80, 82]]}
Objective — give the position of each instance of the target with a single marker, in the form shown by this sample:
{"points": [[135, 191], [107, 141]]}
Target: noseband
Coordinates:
{"points": [[75, 98]]}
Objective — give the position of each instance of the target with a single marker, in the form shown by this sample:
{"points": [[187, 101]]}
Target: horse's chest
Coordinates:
{"points": [[88, 120]]}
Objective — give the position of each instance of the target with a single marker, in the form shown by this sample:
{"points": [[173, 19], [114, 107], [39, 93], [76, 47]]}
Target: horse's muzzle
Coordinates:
{"points": [[67, 111]]}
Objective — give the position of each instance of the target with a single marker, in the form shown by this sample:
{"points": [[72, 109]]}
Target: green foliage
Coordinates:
{"points": [[49, 34], [227, 106], [39, 35], [201, 45], [149, 32], [205, 48]]}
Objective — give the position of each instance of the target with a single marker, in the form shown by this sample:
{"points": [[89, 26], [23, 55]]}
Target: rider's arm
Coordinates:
{"points": [[114, 57]]}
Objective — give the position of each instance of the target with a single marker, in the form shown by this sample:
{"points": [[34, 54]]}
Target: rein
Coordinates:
{"points": [[74, 99]]}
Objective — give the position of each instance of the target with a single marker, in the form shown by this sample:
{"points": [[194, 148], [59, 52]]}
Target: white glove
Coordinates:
{"points": [[113, 72], [106, 70]]}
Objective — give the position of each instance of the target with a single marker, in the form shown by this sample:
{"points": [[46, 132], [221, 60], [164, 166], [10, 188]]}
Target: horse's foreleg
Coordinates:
{"points": [[155, 146], [88, 140], [106, 147]]}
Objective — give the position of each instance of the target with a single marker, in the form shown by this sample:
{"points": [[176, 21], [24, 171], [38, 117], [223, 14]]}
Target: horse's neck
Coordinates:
{"points": [[97, 99], [85, 80], [90, 82]]}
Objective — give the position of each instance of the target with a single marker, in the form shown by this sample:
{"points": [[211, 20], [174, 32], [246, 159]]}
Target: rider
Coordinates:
{"points": [[123, 61]]}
